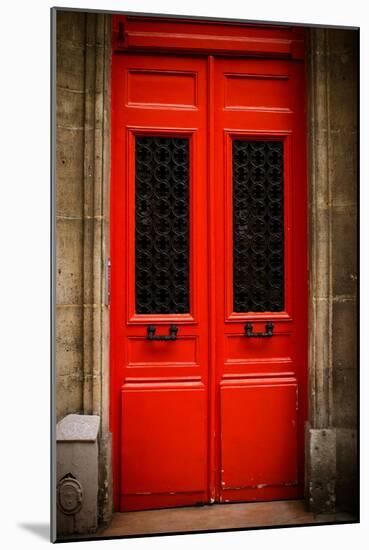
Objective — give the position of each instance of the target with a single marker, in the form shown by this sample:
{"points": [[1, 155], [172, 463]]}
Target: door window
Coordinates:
{"points": [[162, 225], [258, 258]]}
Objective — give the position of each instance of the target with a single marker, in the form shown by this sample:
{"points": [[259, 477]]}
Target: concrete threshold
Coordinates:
{"points": [[218, 517]]}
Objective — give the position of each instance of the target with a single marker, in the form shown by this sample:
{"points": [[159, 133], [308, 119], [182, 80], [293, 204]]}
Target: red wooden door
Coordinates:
{"points": [[159, 398], [261, 278], [208, 249]]}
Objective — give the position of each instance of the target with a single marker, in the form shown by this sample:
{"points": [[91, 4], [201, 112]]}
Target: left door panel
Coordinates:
{"points": [[159, 282]]}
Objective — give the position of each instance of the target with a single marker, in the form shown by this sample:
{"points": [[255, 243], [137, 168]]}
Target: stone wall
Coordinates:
{"points": [[82, 225], [70, 98], [332, 430]]}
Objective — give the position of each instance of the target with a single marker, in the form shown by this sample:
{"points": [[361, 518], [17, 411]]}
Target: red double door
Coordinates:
{"points": [[208, 280]]}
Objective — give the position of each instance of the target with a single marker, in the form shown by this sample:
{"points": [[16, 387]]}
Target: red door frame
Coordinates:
{"points": [[140, 34]]}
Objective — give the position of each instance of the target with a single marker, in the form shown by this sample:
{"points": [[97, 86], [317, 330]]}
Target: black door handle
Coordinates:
{"points": [[267, 334], [151, 329]]}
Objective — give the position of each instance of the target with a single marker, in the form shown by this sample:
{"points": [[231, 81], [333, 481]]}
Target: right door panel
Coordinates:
{"points": [[272, 434], [261, 256]]}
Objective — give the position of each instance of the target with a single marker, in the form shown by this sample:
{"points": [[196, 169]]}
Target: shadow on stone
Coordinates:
{"points": [[40, 529]]}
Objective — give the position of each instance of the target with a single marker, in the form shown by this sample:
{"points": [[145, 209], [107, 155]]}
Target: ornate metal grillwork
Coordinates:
{"points": [[162, 225], [258, 249]]}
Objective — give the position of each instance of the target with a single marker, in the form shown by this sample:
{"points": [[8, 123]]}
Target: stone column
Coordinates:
{"points": [[331, 430], [83, 59], [96, 184]]}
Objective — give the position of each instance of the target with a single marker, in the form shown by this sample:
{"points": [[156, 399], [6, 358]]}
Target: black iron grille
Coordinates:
{"points": [[258, 249], [162, 225]]}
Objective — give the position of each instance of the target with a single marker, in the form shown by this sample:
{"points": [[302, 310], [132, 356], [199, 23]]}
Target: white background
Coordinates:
{"points": [[24, 247]]}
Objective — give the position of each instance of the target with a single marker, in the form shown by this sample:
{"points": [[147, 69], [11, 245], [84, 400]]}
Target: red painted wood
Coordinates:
{"points": [[261, 453], [159, 390], [275, 113], [160, 34], [212, 407], [161, 463]]}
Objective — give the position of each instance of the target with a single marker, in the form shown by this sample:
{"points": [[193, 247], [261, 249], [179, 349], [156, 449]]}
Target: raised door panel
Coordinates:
{"points": [[258, 433], [163, 444]]}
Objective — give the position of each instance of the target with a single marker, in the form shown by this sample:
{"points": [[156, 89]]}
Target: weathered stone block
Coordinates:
{"points": [[320, 260], [69, 172], [342, 102], [320, 460], [91, 351], [319, 157], [70, 108], [342, 41], [105, 479], [342, 68], [69, 372], [343, 166], [344, 246], [344, 345], [68, 340], [70, 66], [77, 474], [69, 256], [71, 27], [68, 394], [105, 377], [344, 397], [93, 268], [347, 478]]}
